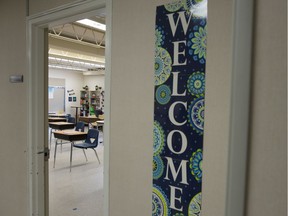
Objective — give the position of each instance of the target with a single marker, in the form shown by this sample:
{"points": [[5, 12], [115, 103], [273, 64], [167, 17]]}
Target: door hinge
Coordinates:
{"points": [[46, 153]]}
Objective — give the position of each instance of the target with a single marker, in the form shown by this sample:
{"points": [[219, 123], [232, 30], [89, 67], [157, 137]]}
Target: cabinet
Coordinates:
{"points": [[91, 101], [84, 103]]}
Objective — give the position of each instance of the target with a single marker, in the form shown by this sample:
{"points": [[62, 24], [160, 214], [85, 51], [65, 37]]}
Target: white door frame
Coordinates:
{"points": [[37, 96]]}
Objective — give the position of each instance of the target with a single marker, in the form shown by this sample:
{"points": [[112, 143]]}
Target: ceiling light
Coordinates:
{"points": [[92, 24], [67, 68]]}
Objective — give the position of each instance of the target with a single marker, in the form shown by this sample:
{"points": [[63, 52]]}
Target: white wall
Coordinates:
{"points": [[73, 80], [92, 81], [76, 80], [13, 110], [267, 172]]}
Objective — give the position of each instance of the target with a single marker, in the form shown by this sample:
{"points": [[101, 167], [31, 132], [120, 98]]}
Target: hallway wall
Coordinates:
{"points": [[13, 110]]}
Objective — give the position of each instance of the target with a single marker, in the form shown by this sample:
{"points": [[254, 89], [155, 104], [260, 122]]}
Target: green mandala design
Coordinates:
{"points": [[199, 42], [174, 6], [159, 202], [163, 65], [195, 205], [196, 165], [158, 137], [158, 37], [196, 84]]}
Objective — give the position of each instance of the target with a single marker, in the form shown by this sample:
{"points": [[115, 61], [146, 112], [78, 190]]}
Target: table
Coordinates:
{"points": [[57, 115], [60, 126], [88, 119], [100, 123], [70, 136], [55, 119]]}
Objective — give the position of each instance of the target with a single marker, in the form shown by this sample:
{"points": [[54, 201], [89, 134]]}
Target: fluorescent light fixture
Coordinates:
{"points": [[92, 24], [67, 68]]}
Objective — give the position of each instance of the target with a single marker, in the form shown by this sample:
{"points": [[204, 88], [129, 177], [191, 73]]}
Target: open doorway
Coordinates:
{"points": [[76, 91], [37, 32]]}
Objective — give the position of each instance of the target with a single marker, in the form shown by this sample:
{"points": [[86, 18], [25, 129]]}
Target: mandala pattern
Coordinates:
{"points": [[159, 202], [159, 138], [158, 167], [159, 36], [196, 115], [195, 205], [196, 165], [174, 6], [196, 84], [163, 66], [198, 44], [163, 94]]}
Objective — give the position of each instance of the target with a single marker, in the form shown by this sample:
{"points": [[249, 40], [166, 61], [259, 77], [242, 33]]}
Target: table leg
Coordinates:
{"points": [[71, 155]]}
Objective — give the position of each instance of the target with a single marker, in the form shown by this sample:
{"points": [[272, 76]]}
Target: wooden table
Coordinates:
{"points": [[70, 136], [55, 119], [60, 126], [88, 119], [57, 115]]}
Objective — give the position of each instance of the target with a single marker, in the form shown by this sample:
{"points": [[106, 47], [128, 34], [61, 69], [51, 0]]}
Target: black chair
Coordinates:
{"points": [[91, 142], [71, 120], [80, 126]]}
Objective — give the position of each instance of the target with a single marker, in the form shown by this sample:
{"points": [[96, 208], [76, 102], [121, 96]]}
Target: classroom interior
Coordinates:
{"points": [[76, 97]]}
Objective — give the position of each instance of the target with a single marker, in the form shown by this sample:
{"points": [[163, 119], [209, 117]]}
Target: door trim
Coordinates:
{"points": [[36, 25]]}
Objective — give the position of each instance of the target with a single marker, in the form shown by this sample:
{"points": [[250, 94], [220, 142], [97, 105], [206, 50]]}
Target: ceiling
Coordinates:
{"points": [[77, 47]]}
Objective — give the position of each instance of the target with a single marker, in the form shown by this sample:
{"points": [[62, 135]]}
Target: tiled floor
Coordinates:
{"points": [[79, 192]]}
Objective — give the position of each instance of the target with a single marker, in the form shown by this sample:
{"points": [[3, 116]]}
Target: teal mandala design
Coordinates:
{"points": [[198, 44], [195, 205], [163, 94], [196, 84], [163, 66], [196, 165], [174, 6], [158, 167], [159, 36], [159, 202], [196, 115], [158, 137]]}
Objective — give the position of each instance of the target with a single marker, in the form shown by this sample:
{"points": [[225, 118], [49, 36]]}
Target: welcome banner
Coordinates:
{"points": [[180, 56]]}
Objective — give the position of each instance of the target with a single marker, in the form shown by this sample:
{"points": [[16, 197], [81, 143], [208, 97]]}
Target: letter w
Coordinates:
{"points": [[181, 17]]}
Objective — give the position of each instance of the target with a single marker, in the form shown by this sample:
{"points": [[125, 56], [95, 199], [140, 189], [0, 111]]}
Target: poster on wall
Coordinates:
{"points": [[180, 57]]}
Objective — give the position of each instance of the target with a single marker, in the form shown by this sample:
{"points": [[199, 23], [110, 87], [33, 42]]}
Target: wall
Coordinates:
{"points": [[267, 170], [37, 6], [73, 80], [13, 110], [92, 81]]}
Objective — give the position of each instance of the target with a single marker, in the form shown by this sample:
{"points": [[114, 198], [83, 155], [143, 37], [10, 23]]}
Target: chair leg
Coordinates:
{"points": [[96, 155], [50, 136], [55, 152], [85, 155]]}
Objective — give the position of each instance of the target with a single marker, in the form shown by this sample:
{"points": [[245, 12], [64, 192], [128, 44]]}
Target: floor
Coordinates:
{"points": [[79, 192]]}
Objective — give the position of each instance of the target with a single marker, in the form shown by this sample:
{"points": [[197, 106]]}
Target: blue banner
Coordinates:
{"points": [[180, 57]]}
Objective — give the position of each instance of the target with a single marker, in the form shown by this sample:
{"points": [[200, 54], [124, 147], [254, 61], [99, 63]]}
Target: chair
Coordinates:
{"points": [[88, 143], [71, 120], [80, 126]]}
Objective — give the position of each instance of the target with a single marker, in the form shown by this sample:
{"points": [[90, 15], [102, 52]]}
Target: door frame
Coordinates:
{"points": [[37, 68]]}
